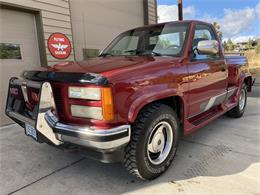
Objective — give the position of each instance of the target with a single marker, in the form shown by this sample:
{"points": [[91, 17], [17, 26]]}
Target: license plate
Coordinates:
{"points": [[31, 131]]}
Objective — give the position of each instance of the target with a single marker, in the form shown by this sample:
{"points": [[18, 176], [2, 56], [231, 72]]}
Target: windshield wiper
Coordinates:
{"points": [[130, 51], [149, 53], [105, 54], [156, 53]]}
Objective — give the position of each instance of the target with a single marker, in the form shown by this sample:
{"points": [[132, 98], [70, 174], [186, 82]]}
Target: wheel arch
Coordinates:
{"points": [[176, 102]]}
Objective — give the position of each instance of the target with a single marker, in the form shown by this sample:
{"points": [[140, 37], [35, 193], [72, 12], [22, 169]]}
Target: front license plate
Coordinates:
{"points": [[31, 131]]}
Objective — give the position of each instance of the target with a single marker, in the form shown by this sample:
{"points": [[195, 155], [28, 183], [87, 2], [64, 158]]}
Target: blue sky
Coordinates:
{"points": [[239, 19]]}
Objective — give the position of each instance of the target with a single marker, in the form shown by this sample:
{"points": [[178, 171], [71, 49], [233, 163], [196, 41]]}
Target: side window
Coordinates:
{"points": [[203, 32]]}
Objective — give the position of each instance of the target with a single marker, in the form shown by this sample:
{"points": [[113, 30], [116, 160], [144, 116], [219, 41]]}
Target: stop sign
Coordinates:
{"points": [[59, 46]]}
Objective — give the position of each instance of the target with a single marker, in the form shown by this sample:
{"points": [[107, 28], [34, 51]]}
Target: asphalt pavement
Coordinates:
{"points": [[221, 158]]}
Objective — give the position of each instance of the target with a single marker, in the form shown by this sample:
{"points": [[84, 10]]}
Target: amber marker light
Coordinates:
{"points": [[107, 104]]}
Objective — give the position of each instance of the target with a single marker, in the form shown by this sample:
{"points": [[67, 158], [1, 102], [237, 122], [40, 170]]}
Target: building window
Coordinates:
{"points": [[90, 53], [10, 51]]}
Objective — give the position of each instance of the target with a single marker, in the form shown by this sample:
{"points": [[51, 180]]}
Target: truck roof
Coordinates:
{"points": [[171, 22]]}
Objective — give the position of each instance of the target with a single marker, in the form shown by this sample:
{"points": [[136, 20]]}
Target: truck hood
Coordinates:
{"points": [[106, 67], [111, 65]]}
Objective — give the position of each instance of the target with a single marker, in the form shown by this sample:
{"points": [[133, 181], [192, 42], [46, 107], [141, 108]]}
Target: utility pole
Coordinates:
{"points": [[180, 10]]}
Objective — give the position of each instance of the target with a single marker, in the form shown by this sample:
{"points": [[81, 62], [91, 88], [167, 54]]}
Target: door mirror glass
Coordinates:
{"points": [[208, 47]]}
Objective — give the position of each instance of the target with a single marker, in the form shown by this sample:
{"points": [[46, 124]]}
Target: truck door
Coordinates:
{"points": [[208, 75]]}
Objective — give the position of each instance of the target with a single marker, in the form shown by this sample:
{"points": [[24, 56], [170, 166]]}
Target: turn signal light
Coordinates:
{"points": [[107, 104]]}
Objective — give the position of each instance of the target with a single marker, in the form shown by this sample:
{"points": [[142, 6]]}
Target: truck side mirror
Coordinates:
{"points": [[208, 47]]}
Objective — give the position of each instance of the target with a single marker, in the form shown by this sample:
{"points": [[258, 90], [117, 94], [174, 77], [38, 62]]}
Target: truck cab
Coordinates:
{"points": [[149, 87]]}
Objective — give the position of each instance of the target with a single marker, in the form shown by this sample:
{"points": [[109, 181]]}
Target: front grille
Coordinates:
{"points": [[33, 96], [58, 93]]}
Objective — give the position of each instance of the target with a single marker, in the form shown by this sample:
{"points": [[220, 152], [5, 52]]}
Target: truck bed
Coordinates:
{"points": [[236, 62]]}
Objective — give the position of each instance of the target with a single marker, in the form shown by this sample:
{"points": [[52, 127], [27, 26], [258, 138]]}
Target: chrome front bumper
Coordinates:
{"points": [[58, 133], [86, 136]]}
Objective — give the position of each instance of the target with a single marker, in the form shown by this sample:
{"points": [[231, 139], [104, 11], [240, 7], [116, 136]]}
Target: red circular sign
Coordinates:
{"points": [[59, 46]]}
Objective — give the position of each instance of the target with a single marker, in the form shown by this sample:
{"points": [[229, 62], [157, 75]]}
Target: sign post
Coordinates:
{"points": [[180, 10]]}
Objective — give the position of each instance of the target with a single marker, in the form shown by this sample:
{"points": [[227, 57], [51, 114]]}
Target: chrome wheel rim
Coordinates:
{"points": [[160, 143], [242, 99]]}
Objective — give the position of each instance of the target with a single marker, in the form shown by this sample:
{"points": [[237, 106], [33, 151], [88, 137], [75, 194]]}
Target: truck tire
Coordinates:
{"points": [[154, 141], [239, 110]]}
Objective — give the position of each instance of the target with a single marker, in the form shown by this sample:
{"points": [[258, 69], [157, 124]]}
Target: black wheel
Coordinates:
{"points": [[239, 110], [154, 141]]}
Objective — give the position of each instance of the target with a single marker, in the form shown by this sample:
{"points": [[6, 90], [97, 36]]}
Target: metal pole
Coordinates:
{"points": [[180, 10]]}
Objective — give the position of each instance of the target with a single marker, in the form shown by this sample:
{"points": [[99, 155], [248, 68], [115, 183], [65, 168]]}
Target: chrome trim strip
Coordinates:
{"points": [[212, 101], [108, 145], [21, 118], [27, 83], [24, 91]]}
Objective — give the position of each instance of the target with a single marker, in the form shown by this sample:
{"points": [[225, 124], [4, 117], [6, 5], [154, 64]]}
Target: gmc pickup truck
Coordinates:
{"points": [[148, 88]]}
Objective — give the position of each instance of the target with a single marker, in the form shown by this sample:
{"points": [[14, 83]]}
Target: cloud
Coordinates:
{"points": [[236, 22], [169, 13], [257, 10]]}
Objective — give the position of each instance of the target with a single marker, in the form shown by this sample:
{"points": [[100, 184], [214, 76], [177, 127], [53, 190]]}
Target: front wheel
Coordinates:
{"points": [[239, 110], [154, 141]]}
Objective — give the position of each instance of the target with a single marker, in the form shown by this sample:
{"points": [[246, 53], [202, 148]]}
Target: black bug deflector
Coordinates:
{"points": [[66, 77], [18, 109]]}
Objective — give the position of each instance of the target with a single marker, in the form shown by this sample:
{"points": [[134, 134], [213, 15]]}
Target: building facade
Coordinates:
{"points": [[26, 27]]}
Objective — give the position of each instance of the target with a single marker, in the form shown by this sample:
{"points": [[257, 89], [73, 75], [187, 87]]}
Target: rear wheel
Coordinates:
{"points": [[239, 110], [153, 142]]}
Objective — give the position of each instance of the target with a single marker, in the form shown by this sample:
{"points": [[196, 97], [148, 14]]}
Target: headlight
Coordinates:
{"points": [[89, 93], [87, 112], [102, 94]]}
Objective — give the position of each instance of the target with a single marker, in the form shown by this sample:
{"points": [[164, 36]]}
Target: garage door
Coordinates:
{"points": [[18, 50]]}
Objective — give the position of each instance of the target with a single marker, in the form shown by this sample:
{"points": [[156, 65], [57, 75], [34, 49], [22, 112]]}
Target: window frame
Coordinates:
{"points": [[212, 33]]}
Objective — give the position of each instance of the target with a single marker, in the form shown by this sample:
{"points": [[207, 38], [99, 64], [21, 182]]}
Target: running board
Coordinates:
{"points": [[206, 116]]}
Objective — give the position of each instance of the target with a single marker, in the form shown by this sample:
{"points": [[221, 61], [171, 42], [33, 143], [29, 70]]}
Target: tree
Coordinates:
{"points": [[225, 46], [205, 36], [250, 44], [230, 45], [218, 29], [164, 43], [257, 49]]}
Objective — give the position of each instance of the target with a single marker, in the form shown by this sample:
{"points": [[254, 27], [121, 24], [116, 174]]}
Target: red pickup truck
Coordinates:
{"points": [[133, 103]]}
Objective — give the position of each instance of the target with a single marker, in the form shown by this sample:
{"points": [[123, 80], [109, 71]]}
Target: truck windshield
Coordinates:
{"points": [[162, 40]]}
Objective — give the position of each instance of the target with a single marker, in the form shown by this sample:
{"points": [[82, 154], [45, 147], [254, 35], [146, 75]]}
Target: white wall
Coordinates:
{"points": [[55, 18], [96, 22]]}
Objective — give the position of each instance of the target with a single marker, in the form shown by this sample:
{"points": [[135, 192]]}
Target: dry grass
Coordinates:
{"points": [[253, 58], [253, 61]]}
